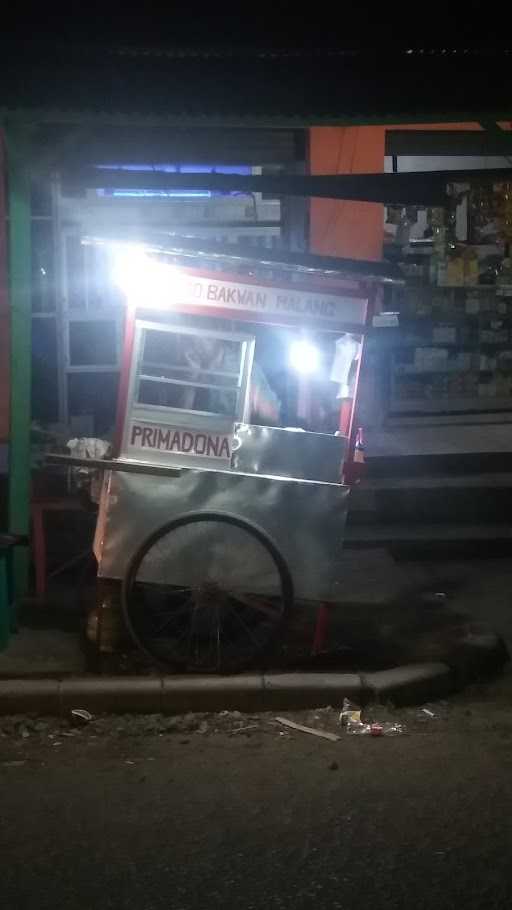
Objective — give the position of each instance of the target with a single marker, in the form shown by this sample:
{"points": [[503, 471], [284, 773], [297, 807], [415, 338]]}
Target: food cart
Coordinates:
{"points": [[227, 499]]}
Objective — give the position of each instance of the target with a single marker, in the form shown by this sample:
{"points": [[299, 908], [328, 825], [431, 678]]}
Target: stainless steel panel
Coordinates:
{"points": [[305, 519], [288, 453]]}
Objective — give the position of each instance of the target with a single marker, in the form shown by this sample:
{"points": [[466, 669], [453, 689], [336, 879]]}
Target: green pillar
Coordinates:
{"points": [[4, 602], [19, 272]]}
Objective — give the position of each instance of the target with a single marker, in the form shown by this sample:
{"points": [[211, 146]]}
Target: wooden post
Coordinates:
{"points": [[19, 269]]}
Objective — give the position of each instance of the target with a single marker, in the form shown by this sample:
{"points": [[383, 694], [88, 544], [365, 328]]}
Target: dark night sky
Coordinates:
{"points": [[75, 58], [277, 24]]}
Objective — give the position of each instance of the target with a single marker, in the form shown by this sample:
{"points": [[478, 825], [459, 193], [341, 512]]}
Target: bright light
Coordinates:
{"points": [[304, 357], [142, 279], [129, 269]]}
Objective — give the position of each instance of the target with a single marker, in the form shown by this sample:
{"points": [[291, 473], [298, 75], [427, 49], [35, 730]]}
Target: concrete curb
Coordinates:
{"points": [[410, 683], [251, 692]]}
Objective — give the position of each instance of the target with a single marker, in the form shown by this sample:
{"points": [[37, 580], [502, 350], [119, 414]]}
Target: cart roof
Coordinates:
{"points": [[196, 252]]}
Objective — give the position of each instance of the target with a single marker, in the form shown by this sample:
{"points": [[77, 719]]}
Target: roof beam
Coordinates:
{"points": [[421, 188]]}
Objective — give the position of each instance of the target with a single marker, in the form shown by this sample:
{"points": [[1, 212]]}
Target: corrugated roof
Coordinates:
{"points": [[241, 85]]}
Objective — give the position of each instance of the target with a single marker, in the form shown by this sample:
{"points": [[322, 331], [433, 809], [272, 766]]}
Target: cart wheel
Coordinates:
{"points": [[208, 591]]}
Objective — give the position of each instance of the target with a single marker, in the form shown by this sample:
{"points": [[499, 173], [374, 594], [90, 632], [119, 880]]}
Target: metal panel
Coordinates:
{"points": [[288, 453], [305, 519]]}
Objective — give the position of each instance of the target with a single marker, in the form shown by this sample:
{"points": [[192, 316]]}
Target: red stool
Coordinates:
{"points": [[38, 508]]}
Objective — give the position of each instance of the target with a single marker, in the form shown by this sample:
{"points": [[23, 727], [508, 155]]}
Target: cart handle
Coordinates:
{"points": [[112, 464]]}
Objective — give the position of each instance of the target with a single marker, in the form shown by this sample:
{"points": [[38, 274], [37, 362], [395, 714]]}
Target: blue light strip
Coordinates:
{"points": [[242, 169], [162, 194]]}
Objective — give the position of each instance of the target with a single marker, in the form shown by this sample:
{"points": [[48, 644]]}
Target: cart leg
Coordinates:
{"points": [[322, 620]]}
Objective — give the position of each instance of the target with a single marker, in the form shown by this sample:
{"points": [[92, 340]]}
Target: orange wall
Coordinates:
{"points": [[4, 314], [337, 227]]}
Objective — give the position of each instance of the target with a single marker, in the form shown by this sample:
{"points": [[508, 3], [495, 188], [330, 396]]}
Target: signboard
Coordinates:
{"points": [[157, 439], [329, 309]]}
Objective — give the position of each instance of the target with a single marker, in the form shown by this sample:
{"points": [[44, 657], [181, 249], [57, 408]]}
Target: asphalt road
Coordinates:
{"points": [[261, 821]]}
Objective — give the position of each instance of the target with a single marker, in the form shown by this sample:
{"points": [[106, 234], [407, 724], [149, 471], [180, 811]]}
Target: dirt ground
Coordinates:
{"points": [[230, 809]]}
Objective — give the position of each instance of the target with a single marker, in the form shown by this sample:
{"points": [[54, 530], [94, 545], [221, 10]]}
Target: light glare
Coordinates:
{"points": [[304, 357], [143, 280]]}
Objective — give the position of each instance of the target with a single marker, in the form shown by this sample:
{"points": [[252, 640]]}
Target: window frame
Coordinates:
{"points": [[186, 417]]}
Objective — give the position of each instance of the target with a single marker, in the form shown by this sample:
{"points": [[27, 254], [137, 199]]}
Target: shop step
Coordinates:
{"points": [[457, 538], [428, 465], [470, 498]]}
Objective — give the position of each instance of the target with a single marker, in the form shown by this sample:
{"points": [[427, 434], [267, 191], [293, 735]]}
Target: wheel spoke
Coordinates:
{"points": [[244, 625], [167, 623], [191, 628], [217, 620], [164, 611], [163, 590], [256, 603], [170, 616], [182, 635], [211, 635], [219, 624]]}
